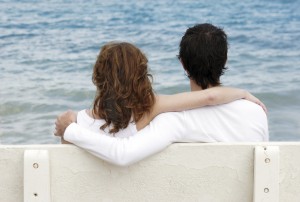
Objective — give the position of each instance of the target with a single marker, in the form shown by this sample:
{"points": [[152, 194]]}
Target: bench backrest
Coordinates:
{"points": [[182, 172]]}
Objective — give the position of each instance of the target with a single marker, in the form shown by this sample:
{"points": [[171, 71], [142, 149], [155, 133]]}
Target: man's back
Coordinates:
{"points": [[233, 122], [238, 121]]}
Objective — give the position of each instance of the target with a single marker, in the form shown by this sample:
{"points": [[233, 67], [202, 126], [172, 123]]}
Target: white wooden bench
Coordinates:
{"points": [[183, 172]]}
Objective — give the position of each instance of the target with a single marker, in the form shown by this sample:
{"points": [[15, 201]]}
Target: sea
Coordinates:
{"points": [[48, 48]]}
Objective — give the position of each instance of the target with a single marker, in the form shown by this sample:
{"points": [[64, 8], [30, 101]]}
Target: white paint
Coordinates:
{"points": [[266, 174], [182, 172], [36, 176]]}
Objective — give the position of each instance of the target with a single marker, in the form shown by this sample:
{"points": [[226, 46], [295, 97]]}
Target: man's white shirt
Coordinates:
{"points": [[238, 121]]}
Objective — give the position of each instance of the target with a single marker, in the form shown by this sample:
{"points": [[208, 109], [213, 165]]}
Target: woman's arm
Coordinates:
{"points": [[196, 99]]}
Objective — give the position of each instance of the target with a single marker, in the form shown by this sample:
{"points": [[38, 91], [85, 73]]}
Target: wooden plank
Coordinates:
{"points": [[266, 174], [36, 176]]}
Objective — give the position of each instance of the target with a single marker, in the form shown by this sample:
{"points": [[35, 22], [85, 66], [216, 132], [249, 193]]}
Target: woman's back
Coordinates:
{"points": [[85, 120]]}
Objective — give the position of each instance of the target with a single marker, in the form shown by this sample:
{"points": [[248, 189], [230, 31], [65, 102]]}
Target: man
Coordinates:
{"points": [[203, 54]]}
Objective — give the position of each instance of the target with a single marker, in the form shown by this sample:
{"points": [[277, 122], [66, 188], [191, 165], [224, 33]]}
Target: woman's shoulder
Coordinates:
{"points": [[85, 119], [85, 116]]}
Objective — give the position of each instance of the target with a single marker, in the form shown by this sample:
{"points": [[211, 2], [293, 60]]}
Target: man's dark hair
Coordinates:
{"points": [[203, 52]]}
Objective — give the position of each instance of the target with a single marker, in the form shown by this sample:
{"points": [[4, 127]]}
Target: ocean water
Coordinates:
{"points": [[48, 48]]}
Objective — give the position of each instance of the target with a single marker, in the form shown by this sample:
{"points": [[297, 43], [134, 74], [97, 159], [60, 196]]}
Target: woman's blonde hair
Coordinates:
{"points": [[124, 90]]}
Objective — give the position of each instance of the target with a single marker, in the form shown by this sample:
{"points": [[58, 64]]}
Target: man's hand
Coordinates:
{"points": [[63, 121]]}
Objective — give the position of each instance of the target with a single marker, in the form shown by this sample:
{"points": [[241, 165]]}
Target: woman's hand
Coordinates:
{"points": [[254, 99]]}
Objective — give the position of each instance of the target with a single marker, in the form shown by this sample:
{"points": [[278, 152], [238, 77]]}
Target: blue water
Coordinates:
{"points": [[48, 48]]}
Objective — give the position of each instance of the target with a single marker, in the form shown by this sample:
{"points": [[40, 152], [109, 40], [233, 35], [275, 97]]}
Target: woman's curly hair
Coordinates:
{"points": [[124, 91]]}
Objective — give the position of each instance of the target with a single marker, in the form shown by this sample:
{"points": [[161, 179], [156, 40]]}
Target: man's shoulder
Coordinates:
{"points": [[235, 110], [238, 108], [243, 103], [246, 107], [237, 105]]}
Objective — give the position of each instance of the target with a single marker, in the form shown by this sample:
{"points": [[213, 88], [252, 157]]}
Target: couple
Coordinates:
{"points": [[119, 128]]}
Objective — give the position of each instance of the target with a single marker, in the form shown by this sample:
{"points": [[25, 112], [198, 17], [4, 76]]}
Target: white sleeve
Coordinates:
{"points": [[162, 131]]}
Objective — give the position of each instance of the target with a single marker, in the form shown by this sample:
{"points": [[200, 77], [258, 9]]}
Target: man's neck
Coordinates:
{"points": [[195, 87]]}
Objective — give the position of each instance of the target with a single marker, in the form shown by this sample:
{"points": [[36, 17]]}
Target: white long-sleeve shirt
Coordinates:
{"points": [[238, 121]]}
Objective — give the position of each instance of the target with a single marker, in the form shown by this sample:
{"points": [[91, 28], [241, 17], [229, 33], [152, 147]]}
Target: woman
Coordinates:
{"points": [[125, 102]]}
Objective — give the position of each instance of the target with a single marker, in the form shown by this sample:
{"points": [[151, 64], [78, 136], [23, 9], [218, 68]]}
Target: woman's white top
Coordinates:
{"points": [[84, 120]]}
